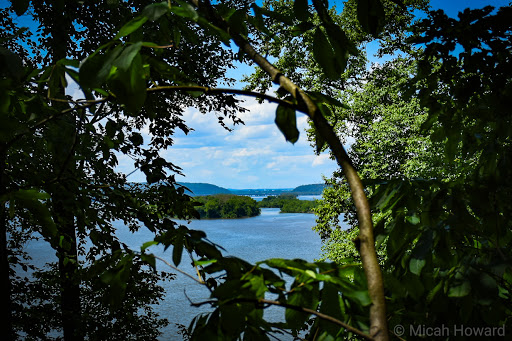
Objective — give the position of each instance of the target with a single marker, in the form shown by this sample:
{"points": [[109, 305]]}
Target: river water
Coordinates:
{"points": [[269, 235]]}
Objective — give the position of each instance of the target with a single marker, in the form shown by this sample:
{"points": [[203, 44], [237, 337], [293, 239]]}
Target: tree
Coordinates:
{"points": [[81, 194], [436, 211]]}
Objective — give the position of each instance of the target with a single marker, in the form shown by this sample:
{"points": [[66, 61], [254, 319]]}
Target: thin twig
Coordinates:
{"points": [[219, 91], [179, 270], [306, 310]]}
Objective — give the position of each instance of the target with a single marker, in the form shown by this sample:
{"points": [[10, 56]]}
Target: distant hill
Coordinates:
{"points": [[312, 189], [198, 188]]}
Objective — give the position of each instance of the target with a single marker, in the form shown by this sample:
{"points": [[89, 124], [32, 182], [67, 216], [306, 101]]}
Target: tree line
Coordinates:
{"points": [[289, 204], [227, 206]]}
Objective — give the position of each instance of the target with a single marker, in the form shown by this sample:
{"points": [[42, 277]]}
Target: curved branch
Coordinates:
{"points": [[378, 322], [308, 311], [219, 91]]}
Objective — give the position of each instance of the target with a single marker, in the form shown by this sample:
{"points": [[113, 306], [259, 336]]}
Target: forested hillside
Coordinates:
{"points": [[197, 189], [313, 189]]}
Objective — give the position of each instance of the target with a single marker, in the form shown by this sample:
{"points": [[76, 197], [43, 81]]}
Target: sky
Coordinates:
{"points": [[254, 155]]}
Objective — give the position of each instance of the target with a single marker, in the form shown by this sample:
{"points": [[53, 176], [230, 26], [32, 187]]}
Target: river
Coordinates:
{"points": [[269, 235]]}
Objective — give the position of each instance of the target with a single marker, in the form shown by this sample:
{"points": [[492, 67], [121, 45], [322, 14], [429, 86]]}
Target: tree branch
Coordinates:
{"points": [[378, 322], [308, 311], [200, 281], [42, 122], [218, 91]]}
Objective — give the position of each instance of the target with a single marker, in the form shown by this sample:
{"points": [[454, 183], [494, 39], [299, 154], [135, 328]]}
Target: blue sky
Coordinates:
{"points": [[254, 155]]}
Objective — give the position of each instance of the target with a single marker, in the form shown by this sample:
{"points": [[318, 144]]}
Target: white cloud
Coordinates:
{"points": [[321, 159], [254, 155]]}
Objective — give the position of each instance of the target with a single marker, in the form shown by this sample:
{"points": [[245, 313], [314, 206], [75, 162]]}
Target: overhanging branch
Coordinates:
{"points": [[378, 322]]}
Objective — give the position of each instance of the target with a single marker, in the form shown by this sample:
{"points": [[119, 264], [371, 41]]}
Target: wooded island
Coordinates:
{"points": [[230, 206], [226, 206]]}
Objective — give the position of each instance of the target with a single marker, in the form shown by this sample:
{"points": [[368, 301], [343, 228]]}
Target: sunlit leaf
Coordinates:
{"points": [[125, 59], [185, 10], [148, 244], [416, 265], [131, 26]]}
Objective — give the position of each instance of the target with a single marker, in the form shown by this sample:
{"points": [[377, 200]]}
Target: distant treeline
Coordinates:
{"points": [[226, 206], [289, 204]]}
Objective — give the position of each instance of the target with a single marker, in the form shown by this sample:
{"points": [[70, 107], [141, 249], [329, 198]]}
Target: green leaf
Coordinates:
{"points": [[301, 10], [371, 16], [331, 305], [237, 23], [150, 259], [361, 296], [20, 6], [413, 219], [434, 291], [324, 54], [319, 142], [341, 46], [319, 97], [185, 10], [306, 297], [10, 64], [301, 28], [124, 61], [176, 34], [416, 265], [148, 244], [390, 197], [286, 121], [460, 290], [131, 26], [30, 194], [130, 86], [31, 200], [96, 68], [204, 262], [154, 11], [286, 19], [177, 250]]}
